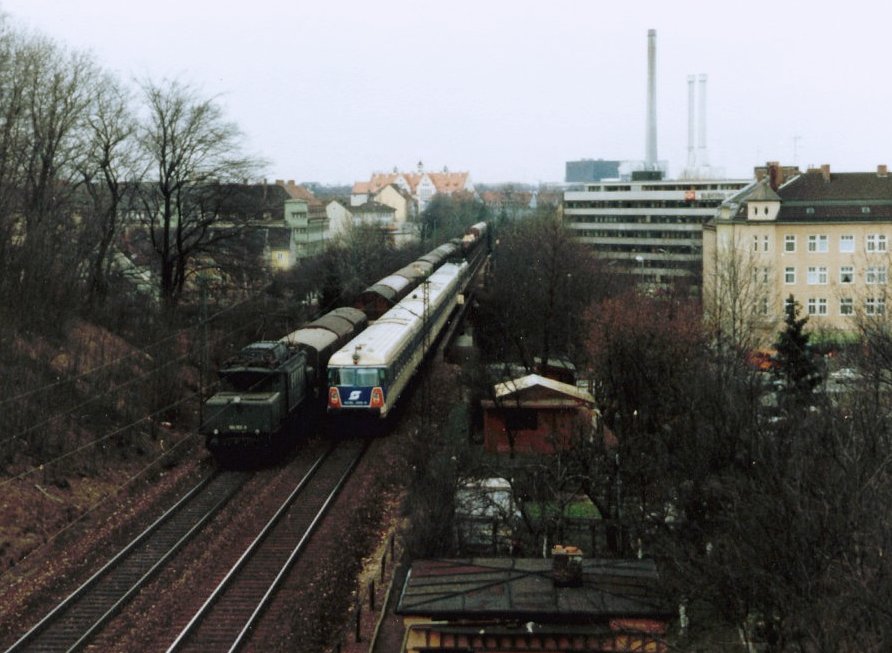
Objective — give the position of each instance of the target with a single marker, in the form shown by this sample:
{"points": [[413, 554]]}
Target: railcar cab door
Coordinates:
{"points": [[358, 388]]}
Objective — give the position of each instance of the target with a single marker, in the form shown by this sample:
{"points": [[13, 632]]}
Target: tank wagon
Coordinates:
{"points": [[268, 384], [367, 376]]}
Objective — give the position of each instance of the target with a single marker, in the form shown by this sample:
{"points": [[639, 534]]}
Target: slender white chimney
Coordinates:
{"points": [[651, 141], [692, 153], [702, 155]]}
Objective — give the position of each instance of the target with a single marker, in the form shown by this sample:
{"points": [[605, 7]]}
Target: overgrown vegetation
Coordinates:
{"points": [[760, 493]]}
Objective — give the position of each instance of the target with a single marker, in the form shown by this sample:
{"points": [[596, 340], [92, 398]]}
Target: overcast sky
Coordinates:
{"points": [[331, 90]]}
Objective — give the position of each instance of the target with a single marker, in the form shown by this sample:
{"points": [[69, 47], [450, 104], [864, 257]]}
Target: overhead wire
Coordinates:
{"points": [[40, 466], [105, 498], [126, 357], [121, 386]]}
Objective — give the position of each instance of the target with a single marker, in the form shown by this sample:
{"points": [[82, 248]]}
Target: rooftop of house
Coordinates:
{"points": [[525, 589], [372, 207], [821, 195], [822, 185], [444, 182], [298, 192], [230, 200], [528, 384]]}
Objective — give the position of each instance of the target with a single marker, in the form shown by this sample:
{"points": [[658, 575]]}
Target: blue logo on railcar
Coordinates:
{"points": [[352, 396]]}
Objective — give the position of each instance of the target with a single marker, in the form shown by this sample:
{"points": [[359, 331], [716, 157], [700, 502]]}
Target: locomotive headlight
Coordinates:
{"points": [[236, 400], [216, 431], [256, 431]]}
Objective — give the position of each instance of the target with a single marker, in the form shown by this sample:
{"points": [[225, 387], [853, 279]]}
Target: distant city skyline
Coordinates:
{"points": [[508, 91]]}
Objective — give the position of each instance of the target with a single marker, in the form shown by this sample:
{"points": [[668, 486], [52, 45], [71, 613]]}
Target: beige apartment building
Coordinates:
{"points": [[821, 236]]}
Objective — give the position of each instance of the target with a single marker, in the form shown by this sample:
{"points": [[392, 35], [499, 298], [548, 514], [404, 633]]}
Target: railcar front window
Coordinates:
{"points": [[366, 377], [342, 376]]}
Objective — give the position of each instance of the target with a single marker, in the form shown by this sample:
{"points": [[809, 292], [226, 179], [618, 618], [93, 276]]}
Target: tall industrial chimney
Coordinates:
{"points": [[702, 155], [692, 153], [651, 141]]}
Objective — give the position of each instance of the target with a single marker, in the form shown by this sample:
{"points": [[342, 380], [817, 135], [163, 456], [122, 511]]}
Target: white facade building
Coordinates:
{"points": [[651, 228]]}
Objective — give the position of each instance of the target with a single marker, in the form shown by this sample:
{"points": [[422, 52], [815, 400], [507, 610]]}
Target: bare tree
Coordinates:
{"points": [[44, 91], [107, 166], [542, 281], [736, 298], [191, 152]]}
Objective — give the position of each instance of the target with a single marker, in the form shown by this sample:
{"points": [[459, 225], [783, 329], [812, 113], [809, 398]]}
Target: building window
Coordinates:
{"points": [[763, 306], [790, 243], [876, 242], [817, 306], [846, 306], [876, 274], [790, 275], [875, 305], [755, 243], [847, 244], [765, 241], [817, 243], [846, 274], [817, 275]]}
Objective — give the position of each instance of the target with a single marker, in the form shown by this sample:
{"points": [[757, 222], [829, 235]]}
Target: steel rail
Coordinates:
{"points": [[57, 614], [181, 640]]}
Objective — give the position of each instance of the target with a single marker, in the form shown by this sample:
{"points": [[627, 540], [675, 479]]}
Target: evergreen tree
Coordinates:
{"points": [[796, 366]]}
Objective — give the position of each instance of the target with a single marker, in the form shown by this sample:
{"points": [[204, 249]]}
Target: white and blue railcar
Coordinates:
{"points": [[369, 373]]}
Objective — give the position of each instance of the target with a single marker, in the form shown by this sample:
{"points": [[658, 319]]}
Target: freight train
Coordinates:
{"points": [[275, 391]]}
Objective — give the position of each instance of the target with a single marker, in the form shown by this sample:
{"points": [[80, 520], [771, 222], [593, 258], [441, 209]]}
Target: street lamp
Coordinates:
{"points": [[640, 260]]}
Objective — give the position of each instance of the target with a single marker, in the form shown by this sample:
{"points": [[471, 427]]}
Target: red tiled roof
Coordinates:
{"points": [[448, 182], [444, 182]]}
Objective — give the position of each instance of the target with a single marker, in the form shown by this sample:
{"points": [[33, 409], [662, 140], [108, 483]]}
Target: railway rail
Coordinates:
{"points": [[225, 620], [71, 624]]}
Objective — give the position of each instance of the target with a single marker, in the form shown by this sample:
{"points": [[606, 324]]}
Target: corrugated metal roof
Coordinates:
{"points": [[523, 588]]}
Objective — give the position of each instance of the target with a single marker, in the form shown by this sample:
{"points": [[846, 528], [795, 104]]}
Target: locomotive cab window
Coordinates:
{"points": [[249, 381]]}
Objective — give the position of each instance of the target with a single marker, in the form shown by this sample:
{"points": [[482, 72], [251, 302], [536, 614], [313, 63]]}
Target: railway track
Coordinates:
{"points": [[227, 617], [71, 624]]}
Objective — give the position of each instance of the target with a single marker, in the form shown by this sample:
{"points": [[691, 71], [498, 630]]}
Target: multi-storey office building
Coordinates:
{"points": [[821, 237], [652, 228], [589, 170]]}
